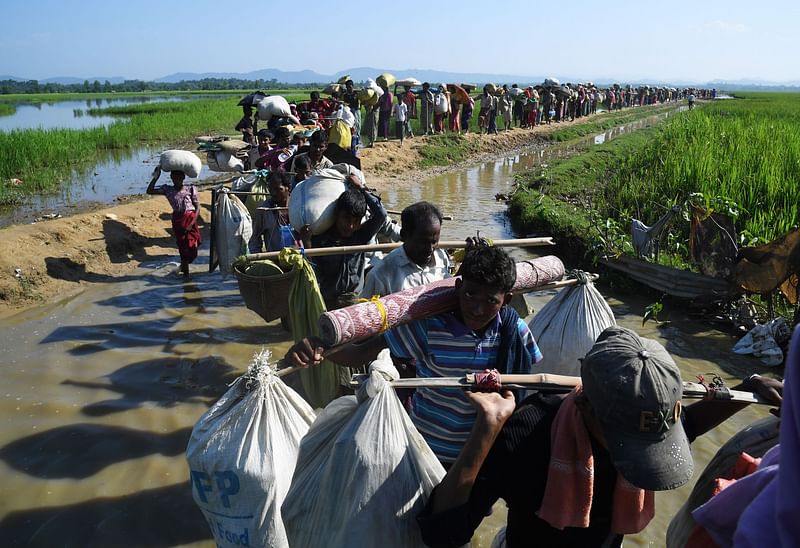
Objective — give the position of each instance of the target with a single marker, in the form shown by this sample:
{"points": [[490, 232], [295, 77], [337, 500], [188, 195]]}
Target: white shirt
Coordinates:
{"points": [[400, 111], [397, 272]]}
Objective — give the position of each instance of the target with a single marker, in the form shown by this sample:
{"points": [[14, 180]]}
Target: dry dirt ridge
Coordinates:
{"points": [[57, 257]]}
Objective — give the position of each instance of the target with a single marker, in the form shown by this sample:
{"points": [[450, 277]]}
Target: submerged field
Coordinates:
{"points": [[736, 156]]}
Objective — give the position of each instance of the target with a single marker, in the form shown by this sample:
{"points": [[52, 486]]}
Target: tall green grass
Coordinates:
{"points": [[747, 151], [7, 109]]}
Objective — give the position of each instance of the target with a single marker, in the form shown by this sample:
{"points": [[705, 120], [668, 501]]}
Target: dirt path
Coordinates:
{"points": [[54, 258]]}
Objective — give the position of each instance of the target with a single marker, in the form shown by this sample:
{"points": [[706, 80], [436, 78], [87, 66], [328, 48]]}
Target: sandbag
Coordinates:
{"points": [[274, 105], [368, 97], [242, 454], [440, 103], [313, 201], [232, 230], [386, 79], [568, 326], [223, 162], [363, 472], [371, 84], [180, 160]]}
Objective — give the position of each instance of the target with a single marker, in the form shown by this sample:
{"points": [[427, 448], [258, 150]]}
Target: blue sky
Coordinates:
{"points": [[617, 39]]}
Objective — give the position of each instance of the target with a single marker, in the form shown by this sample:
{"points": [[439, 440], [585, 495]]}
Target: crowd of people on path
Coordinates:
{"points": [[579, 470]]}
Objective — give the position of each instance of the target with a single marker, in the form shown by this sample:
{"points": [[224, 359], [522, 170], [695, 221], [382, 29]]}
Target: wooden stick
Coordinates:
{"points": [[449, 244], [560, 383], [389, 211]]}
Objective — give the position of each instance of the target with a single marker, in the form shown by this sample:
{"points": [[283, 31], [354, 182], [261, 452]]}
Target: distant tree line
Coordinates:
{"points": [[206, 84]]}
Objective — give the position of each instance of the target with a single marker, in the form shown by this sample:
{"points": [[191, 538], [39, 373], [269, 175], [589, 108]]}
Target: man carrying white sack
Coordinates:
{"points": [[579, 470]]}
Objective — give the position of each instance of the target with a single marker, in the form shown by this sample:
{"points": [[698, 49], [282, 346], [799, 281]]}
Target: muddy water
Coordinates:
{"points": [[100, 390]]}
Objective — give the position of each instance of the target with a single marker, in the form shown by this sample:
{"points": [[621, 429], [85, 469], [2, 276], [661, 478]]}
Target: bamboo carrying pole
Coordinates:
{"points": [[389, 211], [449, 244], [561, 383]]}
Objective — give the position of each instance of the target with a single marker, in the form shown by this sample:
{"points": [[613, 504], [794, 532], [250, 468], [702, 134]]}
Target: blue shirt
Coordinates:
{"points": [[442, 346]]}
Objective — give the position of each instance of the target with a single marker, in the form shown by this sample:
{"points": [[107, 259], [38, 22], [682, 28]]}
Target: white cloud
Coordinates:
{"points": [[727, 26]]}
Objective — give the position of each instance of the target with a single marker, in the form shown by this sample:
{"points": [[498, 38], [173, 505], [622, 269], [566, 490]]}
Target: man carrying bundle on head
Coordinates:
{"points": [[579, 470], [481, 333], [341, 276], [418, 261]]}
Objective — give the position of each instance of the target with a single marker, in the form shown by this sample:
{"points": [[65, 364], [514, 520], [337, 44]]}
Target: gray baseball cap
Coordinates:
{"points": [[635, 389]]}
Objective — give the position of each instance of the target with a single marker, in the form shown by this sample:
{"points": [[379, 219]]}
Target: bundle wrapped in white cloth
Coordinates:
{"points": [[242, 454], [568, 326], [233, 228], [364, 472]]}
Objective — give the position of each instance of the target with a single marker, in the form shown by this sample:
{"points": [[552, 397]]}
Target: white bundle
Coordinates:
{"points": [[274, 105], [313, 201], [764, 342], [371, 84], [440, 104], [568, 326], [242, 454], [232, 230], [181, 160], [223, 161], [364, 472]]}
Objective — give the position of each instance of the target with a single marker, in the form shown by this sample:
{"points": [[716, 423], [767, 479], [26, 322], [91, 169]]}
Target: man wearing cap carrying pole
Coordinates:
{"points": [[579, 470]]}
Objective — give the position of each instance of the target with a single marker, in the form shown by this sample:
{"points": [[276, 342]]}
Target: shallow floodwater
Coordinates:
{"points": [[72, 114], [100, 391]]}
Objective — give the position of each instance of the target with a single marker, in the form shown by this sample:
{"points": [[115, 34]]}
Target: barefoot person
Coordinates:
{"points": [[185, 203]]}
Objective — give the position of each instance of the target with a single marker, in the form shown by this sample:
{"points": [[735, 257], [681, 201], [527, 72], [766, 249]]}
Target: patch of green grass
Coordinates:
{"points": [[605, 121], [446, 149], [741, 155], [7, 109]]}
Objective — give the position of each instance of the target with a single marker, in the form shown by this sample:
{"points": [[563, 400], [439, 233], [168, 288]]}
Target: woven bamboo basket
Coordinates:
{"points": [[267, 296]]}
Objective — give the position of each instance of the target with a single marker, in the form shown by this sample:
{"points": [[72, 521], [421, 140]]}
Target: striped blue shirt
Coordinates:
{"points": [[442, 346]]}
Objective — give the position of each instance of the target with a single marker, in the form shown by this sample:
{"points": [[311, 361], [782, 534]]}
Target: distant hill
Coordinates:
{"points": [[358, 74], [14, 78]]}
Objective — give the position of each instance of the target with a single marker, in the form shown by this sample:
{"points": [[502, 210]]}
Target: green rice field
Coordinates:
{"points": [[738, 156]]}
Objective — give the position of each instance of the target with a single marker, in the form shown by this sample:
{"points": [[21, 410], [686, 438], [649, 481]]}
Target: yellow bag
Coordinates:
{"points": [[340, 134]]}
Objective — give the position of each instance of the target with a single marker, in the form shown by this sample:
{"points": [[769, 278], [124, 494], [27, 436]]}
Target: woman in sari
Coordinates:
{"points": [[185, 203]]}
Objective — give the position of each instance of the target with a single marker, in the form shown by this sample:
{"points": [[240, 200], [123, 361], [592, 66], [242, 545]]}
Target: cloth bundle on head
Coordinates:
{"points": [[363, 473], [372, 317], [242, 454], [568, 325]]}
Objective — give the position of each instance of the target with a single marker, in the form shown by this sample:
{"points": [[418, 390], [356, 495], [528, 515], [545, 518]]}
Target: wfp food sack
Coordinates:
{"points": [[313, 201], [224, 162], [242, 454], [568, 326], [274, 105], [363, 472], [232, 230], [180, 160]]}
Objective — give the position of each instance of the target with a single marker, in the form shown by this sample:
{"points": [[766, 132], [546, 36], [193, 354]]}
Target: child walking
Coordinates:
{"points": [[400, 113]]}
